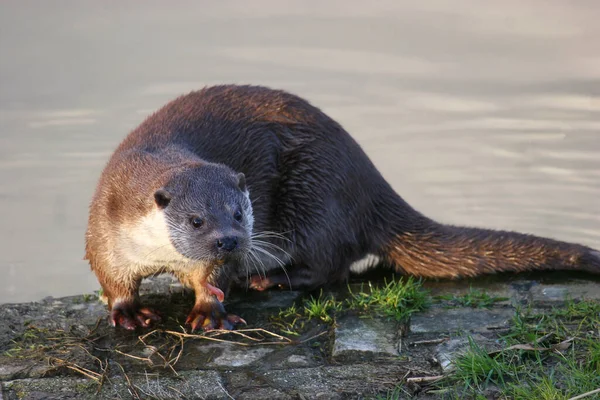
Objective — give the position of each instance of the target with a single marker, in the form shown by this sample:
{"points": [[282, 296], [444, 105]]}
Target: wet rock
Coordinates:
{"points": [[334, 382], [461, 319], [559, 293], [364, 352], [297, 360], [187, 385], [364, 338], [243, 385], [263, 393], [453, 348], [331, 382], [233, 356], [310, 383], [14, 368], [51, 388]]}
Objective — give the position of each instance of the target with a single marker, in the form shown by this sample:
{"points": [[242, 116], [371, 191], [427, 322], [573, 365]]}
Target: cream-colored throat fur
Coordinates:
{"points": [[147, 241]]}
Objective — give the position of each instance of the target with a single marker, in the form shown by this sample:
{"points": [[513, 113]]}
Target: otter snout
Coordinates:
{"points": [[227, 244]]}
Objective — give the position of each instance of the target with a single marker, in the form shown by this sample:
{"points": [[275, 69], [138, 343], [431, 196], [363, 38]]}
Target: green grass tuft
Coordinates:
{"points": [[289, 321], [477, 368], [548, 373], [396, 299], [322, 308]]}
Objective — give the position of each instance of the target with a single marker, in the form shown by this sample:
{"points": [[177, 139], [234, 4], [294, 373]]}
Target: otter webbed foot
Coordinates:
{"points": [[292, 280], [260, 283], [212, 315], [278, 280], [129, 315]]}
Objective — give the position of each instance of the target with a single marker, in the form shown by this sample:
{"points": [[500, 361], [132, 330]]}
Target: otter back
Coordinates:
{"points": [[269, 175]]}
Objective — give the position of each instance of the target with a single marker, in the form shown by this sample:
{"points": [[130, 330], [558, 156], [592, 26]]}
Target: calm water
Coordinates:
{"points": [[479, 113]]}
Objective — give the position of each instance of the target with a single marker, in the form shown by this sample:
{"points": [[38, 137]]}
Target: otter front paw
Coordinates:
{"points": [[212, 315], [129, 314]]}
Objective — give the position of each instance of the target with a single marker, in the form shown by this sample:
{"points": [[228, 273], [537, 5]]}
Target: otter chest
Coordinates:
{"points": [[147, 242]]}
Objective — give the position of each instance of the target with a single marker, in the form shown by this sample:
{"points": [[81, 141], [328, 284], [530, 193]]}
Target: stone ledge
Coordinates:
{"points": [[189, 385], [357, 358], [364, 338], [442, 320]]}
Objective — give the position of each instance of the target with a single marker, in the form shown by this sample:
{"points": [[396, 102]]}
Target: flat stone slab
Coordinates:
{"points": [[442, 320], [356, 381], [354, 358], [558, 293], [448, 351], [232, 356], [363, 338], [188, 385]]}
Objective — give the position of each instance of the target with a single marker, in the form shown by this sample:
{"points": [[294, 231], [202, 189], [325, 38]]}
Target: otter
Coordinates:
{"points": [[163, 209], [237, 185]]}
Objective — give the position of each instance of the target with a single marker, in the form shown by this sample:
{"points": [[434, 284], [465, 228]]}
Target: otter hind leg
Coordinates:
{"points": [[293, 278]]}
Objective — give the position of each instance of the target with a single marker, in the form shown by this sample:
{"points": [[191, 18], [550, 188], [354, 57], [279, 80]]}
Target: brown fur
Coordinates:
{"points": [[308, 181], [429, 254]]}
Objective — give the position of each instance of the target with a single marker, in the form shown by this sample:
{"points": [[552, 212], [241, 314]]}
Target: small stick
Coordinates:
{"points": [[497, 328], [131, 387], [242, 333], [72, 366], [313, 337], [84, 371], [433, 341], [224, 390], [421, 379], [543, 338], [148, 360], [173, 361], [581, 396]]}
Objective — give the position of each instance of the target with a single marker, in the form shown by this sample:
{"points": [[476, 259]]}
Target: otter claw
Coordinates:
{"points": [[210, 323], [235, 319], [131, 316], [212, 317], [195, 321], [259, 283]]}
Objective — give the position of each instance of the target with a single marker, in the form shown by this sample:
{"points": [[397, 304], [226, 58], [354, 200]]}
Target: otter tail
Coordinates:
{"points": [[443, 251]]}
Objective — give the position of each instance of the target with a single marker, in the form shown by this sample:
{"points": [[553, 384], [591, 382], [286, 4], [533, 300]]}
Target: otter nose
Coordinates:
{"points": [[228, 243]]}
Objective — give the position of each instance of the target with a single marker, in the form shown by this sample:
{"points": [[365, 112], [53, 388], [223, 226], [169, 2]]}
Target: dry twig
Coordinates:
{"points": [[581, 396], [421, 379]]}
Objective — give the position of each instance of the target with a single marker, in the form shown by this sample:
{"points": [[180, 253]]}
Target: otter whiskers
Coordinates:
{"points": [[267, 249]]}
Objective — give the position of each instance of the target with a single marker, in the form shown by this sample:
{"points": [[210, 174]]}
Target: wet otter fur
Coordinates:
{"points": [[163, 209], [316, 209]]}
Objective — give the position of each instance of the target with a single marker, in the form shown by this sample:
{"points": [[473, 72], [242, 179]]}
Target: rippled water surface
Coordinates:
{"points": [[478, 113]]}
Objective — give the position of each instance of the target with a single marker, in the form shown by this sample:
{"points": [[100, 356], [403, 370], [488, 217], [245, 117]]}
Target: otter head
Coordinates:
{"points": [[208, 213]]}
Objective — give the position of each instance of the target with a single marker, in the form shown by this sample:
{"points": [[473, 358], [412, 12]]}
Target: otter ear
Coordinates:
{"points": [[241, 181], [162, 198]]}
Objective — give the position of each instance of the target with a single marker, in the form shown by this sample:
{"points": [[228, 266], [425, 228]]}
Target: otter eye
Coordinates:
{"points": [[196, 222], [238, 216]]}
